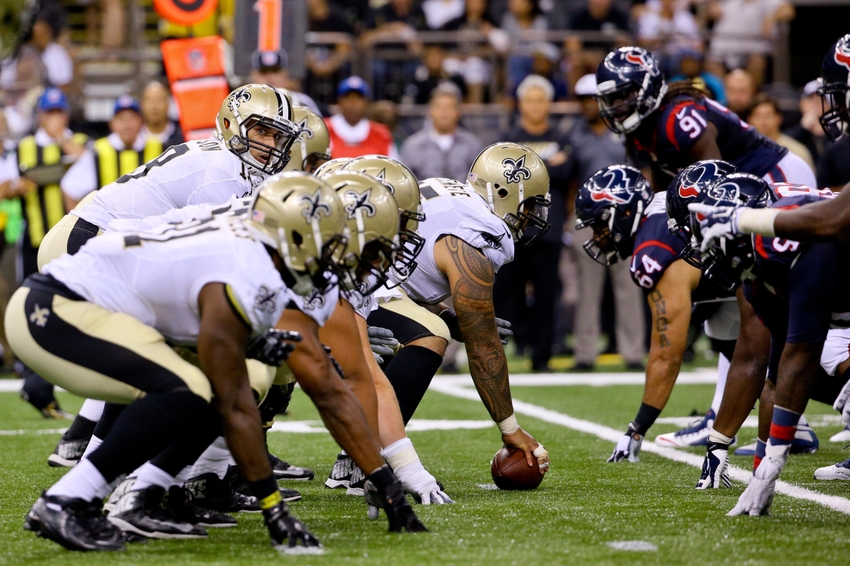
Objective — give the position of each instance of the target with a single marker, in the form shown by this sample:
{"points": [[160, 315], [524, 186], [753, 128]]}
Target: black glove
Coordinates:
{"points": [[284, 527], [335, 363], [276, 401], [503, 327], [272, 347], [384, 491]]}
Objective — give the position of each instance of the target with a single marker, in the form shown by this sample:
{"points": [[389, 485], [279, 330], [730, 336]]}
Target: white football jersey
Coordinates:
{"points": [[451, 207], [195, 172], [316, 305], [233, 206], [156, 276]]}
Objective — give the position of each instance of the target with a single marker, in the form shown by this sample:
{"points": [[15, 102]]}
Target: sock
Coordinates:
{"points": [[410, 373], [183, 476], [144, 428], [194, 440], [81, 429], [760, 447], [216, 459], [148, 475], [722, 371], [94, 444], [783, 426], [718, 438], [83, 481], [92, 409], [645, 418]]}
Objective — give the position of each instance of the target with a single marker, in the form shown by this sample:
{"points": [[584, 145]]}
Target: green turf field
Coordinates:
{"points": [[583, 505]]}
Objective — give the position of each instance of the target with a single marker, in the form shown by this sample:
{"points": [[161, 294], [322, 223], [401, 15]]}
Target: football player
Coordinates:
{"points": [[668, 127], [469, 231], [819, 221], [313, 146], [794, 289], [98, 325]]}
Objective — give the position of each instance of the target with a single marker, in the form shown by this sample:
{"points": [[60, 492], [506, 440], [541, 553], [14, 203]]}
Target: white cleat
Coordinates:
{"points": [[839, 471], [843, 436], [696, 434]]}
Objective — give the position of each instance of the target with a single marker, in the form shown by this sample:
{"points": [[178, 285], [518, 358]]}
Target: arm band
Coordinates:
{"points": [[509, 425], [757, 221]]}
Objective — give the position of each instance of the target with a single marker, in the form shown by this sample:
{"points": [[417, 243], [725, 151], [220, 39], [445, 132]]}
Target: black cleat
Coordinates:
{"points": [[357, 482], [73, 523], [141, 512], [240, 485], [211, 492], [340, 475], [67, 453], [286, 471], [186, 511]]}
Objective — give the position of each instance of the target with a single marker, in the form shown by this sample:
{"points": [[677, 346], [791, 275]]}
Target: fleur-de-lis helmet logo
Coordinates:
{"points": [[361, 201], [515, 170], [314, 207]]}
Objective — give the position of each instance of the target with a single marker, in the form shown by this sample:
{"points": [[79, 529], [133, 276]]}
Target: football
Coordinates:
{"points": [[510, 470]]}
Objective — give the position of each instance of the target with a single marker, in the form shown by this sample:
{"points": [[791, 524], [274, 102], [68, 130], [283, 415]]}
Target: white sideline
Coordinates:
{"points": [[454, 389]]}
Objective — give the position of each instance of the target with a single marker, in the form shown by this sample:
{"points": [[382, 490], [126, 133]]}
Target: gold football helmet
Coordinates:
{"points": [[257, 106], [301, 217], [372, 216], [515, 182], [401, 181], [313, 147], [330, 166]]}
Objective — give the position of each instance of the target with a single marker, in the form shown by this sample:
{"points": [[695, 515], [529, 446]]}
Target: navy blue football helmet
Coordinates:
{"points": [[835, 89], [629, 87], [612, 202], [726, 261]]}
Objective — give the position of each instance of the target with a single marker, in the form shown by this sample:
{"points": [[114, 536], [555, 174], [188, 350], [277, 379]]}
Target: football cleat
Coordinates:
{"points": [[73, 523], [240, 485], [839, 471], [68, 453], [843, 436], [211, 492], [695, 434], [53, 411], [714, 467], [357, 482], [185, 511], [340, 475], [142, 512], [286, 471], [805, 442], [117, 493]]}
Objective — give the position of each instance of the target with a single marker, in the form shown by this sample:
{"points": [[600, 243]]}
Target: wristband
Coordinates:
{"points": [[266, 492], [757, 221], [509, 425]]}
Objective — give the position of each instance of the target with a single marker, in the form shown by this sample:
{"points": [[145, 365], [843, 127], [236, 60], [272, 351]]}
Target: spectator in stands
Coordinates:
{"points": [[766, 117], [594, 147], [351, 133], [809, 131], [691, 68], [546, 62], [522, 16], [155, 103], [740, 91], [537, 264], [272, 68], [667, 28], [743, 33], [442, 148], [439, 12], [396, 23], [597, 16], [120, 153], [385, 112], [475, 69], [431, 73], [108, 15], [326, 64]]}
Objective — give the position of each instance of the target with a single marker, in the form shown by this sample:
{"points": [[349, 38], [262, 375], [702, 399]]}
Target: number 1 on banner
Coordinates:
{"points": [[270, 21]]}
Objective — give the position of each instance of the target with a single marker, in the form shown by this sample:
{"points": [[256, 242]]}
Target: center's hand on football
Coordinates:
{"points": [[534, 451]]}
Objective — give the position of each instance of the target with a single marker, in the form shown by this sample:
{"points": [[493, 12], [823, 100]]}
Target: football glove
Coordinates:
{"points": [[421, 484], [758, 497], [719, 222], [714, 468], [384, 491], [382, 342], [503, 327], [628, 447], [283, 527], [272, 347]]}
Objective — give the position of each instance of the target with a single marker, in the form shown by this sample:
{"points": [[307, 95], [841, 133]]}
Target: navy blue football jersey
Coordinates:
{"points": [[667, 140]]}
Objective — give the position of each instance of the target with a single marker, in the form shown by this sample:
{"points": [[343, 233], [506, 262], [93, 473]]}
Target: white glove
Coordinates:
{"points": [[758, 497], [719, 222], [841, 405], [628, 447], [714, 467], [419, 482]]}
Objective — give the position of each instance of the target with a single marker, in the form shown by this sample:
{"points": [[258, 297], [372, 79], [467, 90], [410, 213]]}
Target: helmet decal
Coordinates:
{"points": [[515, 170], [237, 97], [314, 206], [361, 201]]}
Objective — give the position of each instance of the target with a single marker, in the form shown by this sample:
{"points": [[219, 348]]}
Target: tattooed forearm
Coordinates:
{"points": [[472, 296], [659, 311]]}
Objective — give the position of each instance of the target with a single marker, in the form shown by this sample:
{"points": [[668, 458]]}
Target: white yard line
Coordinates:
{"points": [[612, 435]]}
